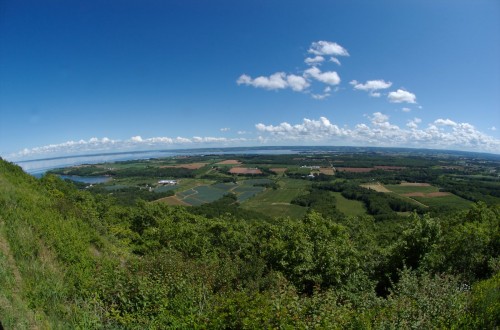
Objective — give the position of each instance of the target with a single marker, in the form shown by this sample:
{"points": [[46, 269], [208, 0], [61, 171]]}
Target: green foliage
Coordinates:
{"points": [[485, 304], [423, 301], [73, 259], [471, 246]]}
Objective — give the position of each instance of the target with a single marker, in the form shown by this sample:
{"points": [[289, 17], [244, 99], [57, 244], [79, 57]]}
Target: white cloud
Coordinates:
{"points": [[225, 129], [320, 96], [135, 138], [380, 132], [278, 80], [445, 122], [378, 118], [405, 109], [309, 129], [314, 60], [93, 145], [371, 86], [335, 60], [327, 77], [274, 81], [297, 83], [493, 128], [413, 124], [301, 83], [401, 96], [327, 48]]}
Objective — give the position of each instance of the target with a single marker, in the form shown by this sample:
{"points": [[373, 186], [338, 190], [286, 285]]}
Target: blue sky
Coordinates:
{"points": [[86, 76]]}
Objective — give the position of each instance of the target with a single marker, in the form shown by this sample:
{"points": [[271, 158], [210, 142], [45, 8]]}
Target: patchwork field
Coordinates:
{"points": [[376, 186], [411, 188], [244, 170], [206, 193], [172, 200], [354, 169], [192, 166], [448, 201], [229, 162], [278, 170], [269, 183], [427, 195], [327, 170], [276, 203]]}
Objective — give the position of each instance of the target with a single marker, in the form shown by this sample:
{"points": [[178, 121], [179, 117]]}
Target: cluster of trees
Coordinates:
{"points": [[473, 190], [381, 205], [129, 195], [78, 260], [128, 172]]}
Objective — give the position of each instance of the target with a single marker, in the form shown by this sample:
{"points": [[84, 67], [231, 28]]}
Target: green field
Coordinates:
{"points": [[200, 194], [399, 189], [276, 203], [450, 201], [348, 206]]}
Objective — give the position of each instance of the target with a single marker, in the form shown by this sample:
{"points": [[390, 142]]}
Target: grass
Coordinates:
{"points": [[349, 207], [276, 202], [450, 201], [410, 189]]}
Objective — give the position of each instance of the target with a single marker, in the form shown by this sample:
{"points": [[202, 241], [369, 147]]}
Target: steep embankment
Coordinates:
{"points": [[46, 265]]}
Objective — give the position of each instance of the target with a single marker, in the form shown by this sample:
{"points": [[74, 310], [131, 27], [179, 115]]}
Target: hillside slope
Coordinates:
{"points": [[49, 250], [69, 260]]}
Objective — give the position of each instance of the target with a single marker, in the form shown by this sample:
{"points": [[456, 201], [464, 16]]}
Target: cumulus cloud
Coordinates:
{"points": [[314, 60], [301, 82], [297, 83], [327, 48], [327, 77], [93, 145], [445, 122], [335, 60], [379, 131], [278, 80], [324, 95], [309, 129], [401, 96], [371, 86], [135, 138], [225, 129], [274, 81], [320, 96], [413, 124]]}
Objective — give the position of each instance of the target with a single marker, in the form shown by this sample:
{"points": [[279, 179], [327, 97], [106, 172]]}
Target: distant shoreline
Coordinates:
{"points": [[40, 166]]}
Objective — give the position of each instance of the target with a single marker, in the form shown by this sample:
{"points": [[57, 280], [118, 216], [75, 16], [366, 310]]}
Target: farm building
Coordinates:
{"points": [[168, 182]]}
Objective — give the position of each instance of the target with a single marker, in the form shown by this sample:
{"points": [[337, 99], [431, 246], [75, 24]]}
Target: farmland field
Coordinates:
{"points": [[450, 201], [277, 202], [200, 194], [244, 170], [376, 186], [281, 178], [405, 188], [348, 206], [191, 166]]}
